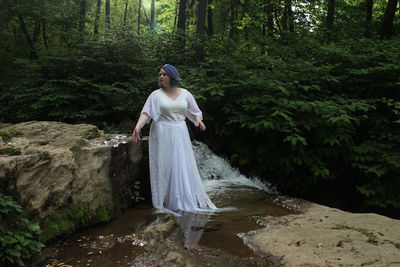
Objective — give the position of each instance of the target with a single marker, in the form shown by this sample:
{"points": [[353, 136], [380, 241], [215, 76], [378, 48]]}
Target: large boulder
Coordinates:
{"points": [[324, 236], [53, 167]]}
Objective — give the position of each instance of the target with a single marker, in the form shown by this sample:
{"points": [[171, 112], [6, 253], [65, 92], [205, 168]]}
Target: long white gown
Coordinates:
{"points": [[174, 177]]}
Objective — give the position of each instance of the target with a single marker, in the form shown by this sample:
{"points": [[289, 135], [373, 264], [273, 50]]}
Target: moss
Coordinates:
{"points": [[90, 134], [71, 219], [8, 135], [102, 215], [10, 151]]}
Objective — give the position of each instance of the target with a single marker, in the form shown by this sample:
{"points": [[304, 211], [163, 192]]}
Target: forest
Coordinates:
{"points": [[302, 93]]}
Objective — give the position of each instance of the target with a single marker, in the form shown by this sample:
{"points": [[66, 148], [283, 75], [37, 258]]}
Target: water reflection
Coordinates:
{"points": [[193, 224]]}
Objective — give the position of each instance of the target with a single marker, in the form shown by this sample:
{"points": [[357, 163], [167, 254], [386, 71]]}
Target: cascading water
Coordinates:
{"points": [[217, 174]]}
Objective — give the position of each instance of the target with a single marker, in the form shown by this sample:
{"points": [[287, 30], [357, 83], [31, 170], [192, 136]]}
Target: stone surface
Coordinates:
{"points": [[323, 236], [60, 164]]}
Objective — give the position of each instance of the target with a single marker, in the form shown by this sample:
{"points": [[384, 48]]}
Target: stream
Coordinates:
{"points": [[118, 242]]}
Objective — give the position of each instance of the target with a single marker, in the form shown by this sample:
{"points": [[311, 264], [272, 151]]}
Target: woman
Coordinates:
{"points": [[174, 177]]}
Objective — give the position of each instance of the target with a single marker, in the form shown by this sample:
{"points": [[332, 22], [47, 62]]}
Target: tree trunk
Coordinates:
{"points": [[36, 31], [289, 12], [232, 31], [277, 19], [97, 18], [27, 36], [387, 29], [270, 17], [152, 11], [330, 14], [2, 19], [200, 28], [201, 17], [369, 4], [210, 25], [44, 34], [181, 26], [108, 15], [82, 16], [125, 12], [15, 34], [139, 11], [285, 17], [176, 14], [182, 16]]}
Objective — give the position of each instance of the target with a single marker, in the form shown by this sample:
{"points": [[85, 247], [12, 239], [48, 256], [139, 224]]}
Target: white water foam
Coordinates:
{"points": [[217, 174]]}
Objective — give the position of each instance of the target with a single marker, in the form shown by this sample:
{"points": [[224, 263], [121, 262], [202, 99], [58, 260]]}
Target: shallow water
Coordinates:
{"points": [[116, 244], [99, 245]]}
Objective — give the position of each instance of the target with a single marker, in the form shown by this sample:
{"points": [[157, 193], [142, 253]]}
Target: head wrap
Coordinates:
{"points": [[172, 72]]}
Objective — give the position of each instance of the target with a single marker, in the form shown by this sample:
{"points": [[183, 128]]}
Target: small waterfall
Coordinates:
{"points": [[218, 174]]}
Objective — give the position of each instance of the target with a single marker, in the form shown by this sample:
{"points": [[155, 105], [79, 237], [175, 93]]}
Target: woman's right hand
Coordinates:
{"points": [[136, 134]]}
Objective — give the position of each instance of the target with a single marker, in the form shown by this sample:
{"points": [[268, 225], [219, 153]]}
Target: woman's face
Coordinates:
{"points": [[164, 78]]}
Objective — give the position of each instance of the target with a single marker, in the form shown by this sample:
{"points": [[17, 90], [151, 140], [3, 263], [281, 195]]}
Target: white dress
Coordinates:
{"points": [[174, 178]]}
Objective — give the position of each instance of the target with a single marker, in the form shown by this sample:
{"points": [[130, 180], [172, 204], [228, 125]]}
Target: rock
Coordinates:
{"points": [[173, 257], [54, 168], [160, 228], [339, 239]]}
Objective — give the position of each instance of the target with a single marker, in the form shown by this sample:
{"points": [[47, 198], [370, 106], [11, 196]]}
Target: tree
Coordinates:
{"points": [[97, 18], [200, 28], [125, 12], [330, 14], [368, 16], [30, 40], [270, 17], [388, 19], [2, 18], [152, 11], [210, 24], [288, 16], [232, 19], [108, 16], [139, 19], [201, 17], [82, 16], [181, 26]]}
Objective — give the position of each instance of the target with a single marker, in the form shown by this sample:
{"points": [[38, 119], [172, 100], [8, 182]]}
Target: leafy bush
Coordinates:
{"points": [[95, 82], [310, 115], [19, 236]]}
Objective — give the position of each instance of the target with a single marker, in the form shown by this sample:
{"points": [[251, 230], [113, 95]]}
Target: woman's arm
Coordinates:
{"points": [[200, 123], [143, 118]]}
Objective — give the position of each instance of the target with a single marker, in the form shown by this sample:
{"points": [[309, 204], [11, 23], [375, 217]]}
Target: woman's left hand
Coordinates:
{"points": [[201, 125]]}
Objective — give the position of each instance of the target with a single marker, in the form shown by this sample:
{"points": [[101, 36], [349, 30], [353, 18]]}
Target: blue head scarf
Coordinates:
{"points": [[172, 72]]}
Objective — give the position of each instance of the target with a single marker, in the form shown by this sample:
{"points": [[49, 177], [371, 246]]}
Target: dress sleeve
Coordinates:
{"points": [[193, 109], [152, 107]]}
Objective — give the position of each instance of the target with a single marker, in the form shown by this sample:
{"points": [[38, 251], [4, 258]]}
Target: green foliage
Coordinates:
{"points": [[19, 237], [95, 82], [305, 115], [8, 205], [136, 192]]}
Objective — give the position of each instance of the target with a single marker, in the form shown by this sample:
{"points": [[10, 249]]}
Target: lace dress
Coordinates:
{"points": [[174, 178]]}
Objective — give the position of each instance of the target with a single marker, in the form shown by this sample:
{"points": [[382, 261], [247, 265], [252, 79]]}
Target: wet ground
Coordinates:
{"points": [[119, 242]]}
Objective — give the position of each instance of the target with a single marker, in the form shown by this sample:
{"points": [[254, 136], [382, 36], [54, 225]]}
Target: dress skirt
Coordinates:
{"points": [[174, 176]]}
